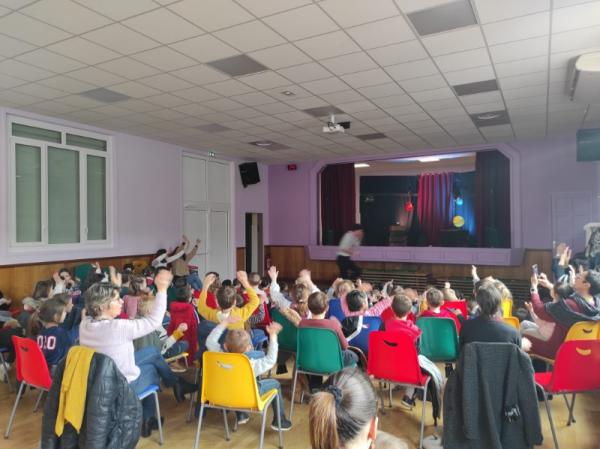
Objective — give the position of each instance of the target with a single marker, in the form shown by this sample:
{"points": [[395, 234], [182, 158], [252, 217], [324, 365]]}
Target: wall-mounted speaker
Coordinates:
{"points": [[249, 173]]}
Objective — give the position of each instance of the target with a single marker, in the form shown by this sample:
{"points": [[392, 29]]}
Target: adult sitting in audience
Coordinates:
{"points": [[344, 415], [100, 330]]}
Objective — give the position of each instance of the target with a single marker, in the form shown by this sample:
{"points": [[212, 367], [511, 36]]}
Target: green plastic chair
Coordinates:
{"points": [[439, 340], [288, 337], [318, 352], [81, 271]]}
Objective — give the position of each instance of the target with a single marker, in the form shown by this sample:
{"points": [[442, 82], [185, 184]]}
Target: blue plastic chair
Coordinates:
{"points": [[335, 310], [361, 341], [153, 390]]}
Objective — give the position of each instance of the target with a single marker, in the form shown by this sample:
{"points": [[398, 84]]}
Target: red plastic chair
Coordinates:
{"points": [[393, 358], [32, 370], [459, 305], [576, 370]]}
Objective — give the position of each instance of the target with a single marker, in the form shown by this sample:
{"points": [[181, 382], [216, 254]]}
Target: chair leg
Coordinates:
{"points": [[227, 437], [382, 398], [14, 410], [197, 440], [424, 404], [160, 431], [293, 393], [278, 423], [262, 428], [571, 409], [11, 387], [37, 402], [193, 399], [390, 388], [551, 421]]}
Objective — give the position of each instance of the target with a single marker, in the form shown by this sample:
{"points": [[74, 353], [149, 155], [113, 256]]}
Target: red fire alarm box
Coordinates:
{"points": [[292, 167]]}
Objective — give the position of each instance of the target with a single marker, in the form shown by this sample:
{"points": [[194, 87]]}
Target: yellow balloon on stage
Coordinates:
{"points": [[458, 221]]}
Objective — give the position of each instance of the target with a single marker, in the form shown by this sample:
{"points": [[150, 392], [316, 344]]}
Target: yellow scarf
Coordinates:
{"points": [[73, 390]]}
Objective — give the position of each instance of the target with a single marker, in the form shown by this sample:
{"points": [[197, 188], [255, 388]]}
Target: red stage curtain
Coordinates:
{"points": [[434, 204], [338, 201]]}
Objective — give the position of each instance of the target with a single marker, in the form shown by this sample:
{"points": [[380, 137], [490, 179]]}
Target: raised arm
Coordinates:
{"points": [[205, 311], [189, 256], [277, 297], [143, 326], [248, 309]]}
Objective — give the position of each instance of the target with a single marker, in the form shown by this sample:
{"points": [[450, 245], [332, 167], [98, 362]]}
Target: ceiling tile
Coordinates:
{"points": [[23, 71], [344, 96], [292, 24], [524, 92], [163, 25], [414, 69], [30, 30], [118, 9], [367, 78], [383, 32], [528, 48], [10, 47], [193, 109], [254, 99], [211, 15], [446, 17], [200, 74], [168, 100], [530, 65], [417, 5], [7, 82], [433, 94], [128, 68], [138, 105], [305, 72], [230, 87], [476, 87], [463, 60], [50, 61], [250, 36], [520, 28], [453, 41], [96, 77], [279, 92], [83, 50], [574, 17], [529, 79], [393, 100], [268, 7], [326, 85], [487, 97], [484, 107], [165, 82], [66, 84], [355, 12], [280, 56], [122, 39], [383, 90], [134, 90], [264, 80], [493, 11], [205, 48], [77, 21], [164, 58], [274, 108], [351, 63], [15, 4], [576, 40], [307, 102], [398, 53], [198, 94], [470, 75], [239, 65], [328, 45]]}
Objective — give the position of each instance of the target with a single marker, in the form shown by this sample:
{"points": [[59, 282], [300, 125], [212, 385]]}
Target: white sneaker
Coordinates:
{"points": [[432, 442], [3, 373]]}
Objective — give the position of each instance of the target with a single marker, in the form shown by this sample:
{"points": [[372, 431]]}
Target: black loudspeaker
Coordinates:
{"points": [[249, 173]]}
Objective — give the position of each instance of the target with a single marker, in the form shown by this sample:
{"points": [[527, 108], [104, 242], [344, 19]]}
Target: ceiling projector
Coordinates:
{"points": [[331, 127]]}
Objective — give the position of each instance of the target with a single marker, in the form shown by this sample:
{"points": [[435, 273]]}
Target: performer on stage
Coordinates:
{"points": [[348, 245]]}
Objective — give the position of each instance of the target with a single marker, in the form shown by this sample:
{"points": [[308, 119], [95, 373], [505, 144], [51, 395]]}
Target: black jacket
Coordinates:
{"points": [[490, 400], [113, 413]]}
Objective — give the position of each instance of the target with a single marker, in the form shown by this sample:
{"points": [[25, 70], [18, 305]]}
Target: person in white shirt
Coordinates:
{"points": [[347, 248]]}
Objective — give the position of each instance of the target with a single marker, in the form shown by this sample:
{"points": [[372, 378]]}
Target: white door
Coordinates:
{"points": [[570, 212], [219, 242], [195, 226]]}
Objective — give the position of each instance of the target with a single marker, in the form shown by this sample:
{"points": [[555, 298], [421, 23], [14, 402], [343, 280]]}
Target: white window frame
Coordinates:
{"points": [[83, 243]]}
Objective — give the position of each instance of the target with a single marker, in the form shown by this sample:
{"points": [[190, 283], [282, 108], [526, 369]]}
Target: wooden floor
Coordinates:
{"points": [[585, 434]]}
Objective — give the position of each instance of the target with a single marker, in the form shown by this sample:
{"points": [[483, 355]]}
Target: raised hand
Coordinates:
{"points": [[115, 278], [242, 276], [273, 329], [162, 280], [183, 327], [273, 273], [209, 279]]}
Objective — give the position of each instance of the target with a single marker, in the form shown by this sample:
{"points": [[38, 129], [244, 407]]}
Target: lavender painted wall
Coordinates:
{"points": [[546, 166], [254, 198]]}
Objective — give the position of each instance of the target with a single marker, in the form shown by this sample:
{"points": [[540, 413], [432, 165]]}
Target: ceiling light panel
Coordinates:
{"points": [[238, 65], [442, 18]]}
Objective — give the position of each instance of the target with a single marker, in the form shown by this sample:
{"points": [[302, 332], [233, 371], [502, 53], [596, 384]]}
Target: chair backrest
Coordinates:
{"points": [[393, 356], [458, 305], [577, 366], [361, 341], [318, 350], [228, 380], [439, 340], [31, 363], [335, 309], [584, 330], [506, 305], [512, 321], [81, 271], [288, 337]]}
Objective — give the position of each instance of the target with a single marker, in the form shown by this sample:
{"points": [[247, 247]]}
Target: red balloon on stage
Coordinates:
{"points": [[408, 206]]}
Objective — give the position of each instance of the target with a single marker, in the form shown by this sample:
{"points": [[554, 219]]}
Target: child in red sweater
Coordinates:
{"points": [[435, 299], [183, 311], [399, 322]]}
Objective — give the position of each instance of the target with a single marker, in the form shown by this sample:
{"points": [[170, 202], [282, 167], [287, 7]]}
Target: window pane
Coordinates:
{"points": [[96, 198], [86, 142], [28, 186], [63, 196], [32, 132]]}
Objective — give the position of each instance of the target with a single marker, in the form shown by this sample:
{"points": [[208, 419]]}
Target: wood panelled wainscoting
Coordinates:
{"points": [[291, 259], [17, 281]]}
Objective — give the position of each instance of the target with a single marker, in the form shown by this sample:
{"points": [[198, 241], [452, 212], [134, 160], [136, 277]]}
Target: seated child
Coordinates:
{"points": [[402, 307], [255, 281], [435, 299], [183, 311], [137, 289], [53, 340], [360, 295], [211, 293], [238, 340]]}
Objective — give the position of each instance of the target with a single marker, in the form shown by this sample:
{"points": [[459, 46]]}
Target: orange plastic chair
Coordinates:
{"points": [[228, 383], [584, 330], [507, 306], [32, 370], [512, 321]]}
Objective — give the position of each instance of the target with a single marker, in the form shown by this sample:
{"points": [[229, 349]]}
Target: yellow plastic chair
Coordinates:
{"points": [[507, 306], [228, 383], [512, 321], [584, 330]]}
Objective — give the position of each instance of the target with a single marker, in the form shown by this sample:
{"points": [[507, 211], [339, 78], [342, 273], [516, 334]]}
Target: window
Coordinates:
{"points": [[59, 185]]}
